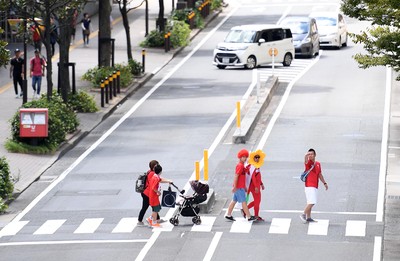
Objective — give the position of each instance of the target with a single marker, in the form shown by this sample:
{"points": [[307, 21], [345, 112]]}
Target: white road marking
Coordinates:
{"points": [[12, 228], [377, 249], [319, 228], [280, 226], [213, 246], [241, 225], [125, 225], [89, 225], [148, 245], [380, 204], [49, 227], [356, 228], [73, 242], [206, 224]]}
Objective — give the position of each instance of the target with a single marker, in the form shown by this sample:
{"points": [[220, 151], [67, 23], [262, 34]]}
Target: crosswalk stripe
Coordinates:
{"points": [[49, 227], [125, 225], [241, 225], [319, 228], [356, 228], [13, 228], [206, 224], [280, 226], [89, 225]]}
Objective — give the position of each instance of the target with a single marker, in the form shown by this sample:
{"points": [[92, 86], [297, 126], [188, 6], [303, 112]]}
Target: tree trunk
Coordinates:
{"points": [[125, 22], [49, 65], [64, 84], [161, 16], [104, 33]]}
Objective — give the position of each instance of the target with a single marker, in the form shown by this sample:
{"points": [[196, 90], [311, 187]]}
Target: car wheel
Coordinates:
{"points": [[251, 62], [311, 54], [221, 66], [345, 42], [287, 60], [317, 51], [340, 43]]}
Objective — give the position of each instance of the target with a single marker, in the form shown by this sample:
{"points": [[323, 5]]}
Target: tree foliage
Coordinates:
{"points": [[382, 39]]}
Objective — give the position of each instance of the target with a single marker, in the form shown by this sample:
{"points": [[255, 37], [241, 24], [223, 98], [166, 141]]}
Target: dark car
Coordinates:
{"points": [[305, 34]]}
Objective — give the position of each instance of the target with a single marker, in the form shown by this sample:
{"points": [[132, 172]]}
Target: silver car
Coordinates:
{"points": [[332, 29], [305, 34]]}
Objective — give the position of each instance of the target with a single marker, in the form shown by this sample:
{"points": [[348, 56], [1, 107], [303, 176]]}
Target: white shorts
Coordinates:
{"points": [[311, 195]]}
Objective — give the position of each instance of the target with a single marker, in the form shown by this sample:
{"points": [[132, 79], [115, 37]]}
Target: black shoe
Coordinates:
{"points": [[310, 220], [252, 218], [230, 218]]}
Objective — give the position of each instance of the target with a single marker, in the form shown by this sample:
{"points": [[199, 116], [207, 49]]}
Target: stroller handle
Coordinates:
{"points": [[180, 191]]}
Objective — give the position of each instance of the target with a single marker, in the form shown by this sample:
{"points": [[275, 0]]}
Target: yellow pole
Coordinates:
{"points": [[205, 165], [197, 168], [238, 114]]}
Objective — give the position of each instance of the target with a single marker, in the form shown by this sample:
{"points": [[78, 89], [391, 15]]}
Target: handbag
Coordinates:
{"points": [[304, 175], [168, 198]]}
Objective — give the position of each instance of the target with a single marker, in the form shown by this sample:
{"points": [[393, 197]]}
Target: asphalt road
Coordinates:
{"points": [[186, 108]]}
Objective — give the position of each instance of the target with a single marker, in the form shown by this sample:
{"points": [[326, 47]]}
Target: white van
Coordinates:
{"points": [[252, 45]]}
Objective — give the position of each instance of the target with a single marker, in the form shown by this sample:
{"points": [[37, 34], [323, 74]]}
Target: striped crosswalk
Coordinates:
{"points": [[285, 74], [351, 228]]}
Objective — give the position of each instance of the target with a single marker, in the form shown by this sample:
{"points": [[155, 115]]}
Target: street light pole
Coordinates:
{"points": [[25, 81]]}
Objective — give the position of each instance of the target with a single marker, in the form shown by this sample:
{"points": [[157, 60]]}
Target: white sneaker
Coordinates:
{"points": [[34, 95], [17, 96]]}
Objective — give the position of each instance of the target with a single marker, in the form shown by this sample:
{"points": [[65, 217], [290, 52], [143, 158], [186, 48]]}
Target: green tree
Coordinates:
{"points": [[4, 53], [382, 39]]}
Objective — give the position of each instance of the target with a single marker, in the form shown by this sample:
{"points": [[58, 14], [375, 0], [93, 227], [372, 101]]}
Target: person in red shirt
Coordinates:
{"points": [[256, 184], [311, 184], [145, 194], [38, 65], [239, 187], [154, 194]]}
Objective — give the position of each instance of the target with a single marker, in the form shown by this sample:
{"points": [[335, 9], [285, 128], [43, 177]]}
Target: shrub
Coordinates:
{"points": [[215, 4], [154, 39], [136, 67], [96, 75], [82, 102], [62, 120], [6, 185], [180, 34]]}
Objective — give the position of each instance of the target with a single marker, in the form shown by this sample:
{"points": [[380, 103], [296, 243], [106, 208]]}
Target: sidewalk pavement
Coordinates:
{"points": [[26, 168]]}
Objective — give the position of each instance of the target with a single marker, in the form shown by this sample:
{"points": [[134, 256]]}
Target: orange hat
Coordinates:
{"points": [[243, 153]]}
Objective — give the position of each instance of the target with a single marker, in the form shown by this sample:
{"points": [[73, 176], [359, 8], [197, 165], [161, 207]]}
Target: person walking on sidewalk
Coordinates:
{"points": [[37, 65], [239, 187], [145, 194], [154, 195], [311, 184], [86, 28], [256, 185], [53, 35], [17, 71]]}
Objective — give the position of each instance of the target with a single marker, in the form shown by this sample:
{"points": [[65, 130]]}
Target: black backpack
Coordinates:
{"points": [[141, 182]]}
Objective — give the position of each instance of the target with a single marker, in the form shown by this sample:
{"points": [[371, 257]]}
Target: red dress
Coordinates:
{"points": [[255, 182]]}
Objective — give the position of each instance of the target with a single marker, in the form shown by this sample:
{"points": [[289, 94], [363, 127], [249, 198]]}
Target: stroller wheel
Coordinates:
{"points": [[174, 221], [196, 220]]}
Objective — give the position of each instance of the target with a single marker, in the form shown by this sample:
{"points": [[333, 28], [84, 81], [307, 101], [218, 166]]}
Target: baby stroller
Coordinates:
{"points": [[189, 207]]}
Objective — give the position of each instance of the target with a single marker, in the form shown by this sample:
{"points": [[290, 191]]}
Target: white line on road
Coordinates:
{"points": [[377, 249], [49, 227], [125, 225], [206, 224], [280, 226], [241, 225], [73, 242], [213, 246], [355, 228], [148, 245], [12, 228], [380, 205], [319, 228], [89, 225]]}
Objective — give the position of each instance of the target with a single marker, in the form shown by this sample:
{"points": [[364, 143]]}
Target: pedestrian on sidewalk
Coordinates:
{"points": [[73, 26], [53, 35], [256, 160], [239, 187], [311, 184], [17, 71], [37, 66], [145, 194], [86, 28], [37, 40], [154, 195]]}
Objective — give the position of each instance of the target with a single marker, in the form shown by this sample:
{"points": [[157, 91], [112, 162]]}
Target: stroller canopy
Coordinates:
{"points": [[198, 187]]}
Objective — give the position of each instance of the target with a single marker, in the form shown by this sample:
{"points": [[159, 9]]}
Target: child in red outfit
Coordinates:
{"points": [[256, 183], [154, 193]]}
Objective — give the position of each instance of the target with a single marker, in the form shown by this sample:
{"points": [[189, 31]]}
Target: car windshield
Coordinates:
{"points": [[240, 36], [297, 27], [325, 21]]}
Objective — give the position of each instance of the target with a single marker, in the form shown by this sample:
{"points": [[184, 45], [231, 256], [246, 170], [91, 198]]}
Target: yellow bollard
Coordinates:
{"points": [[197, 168], [238, 114], [205, 165]]}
